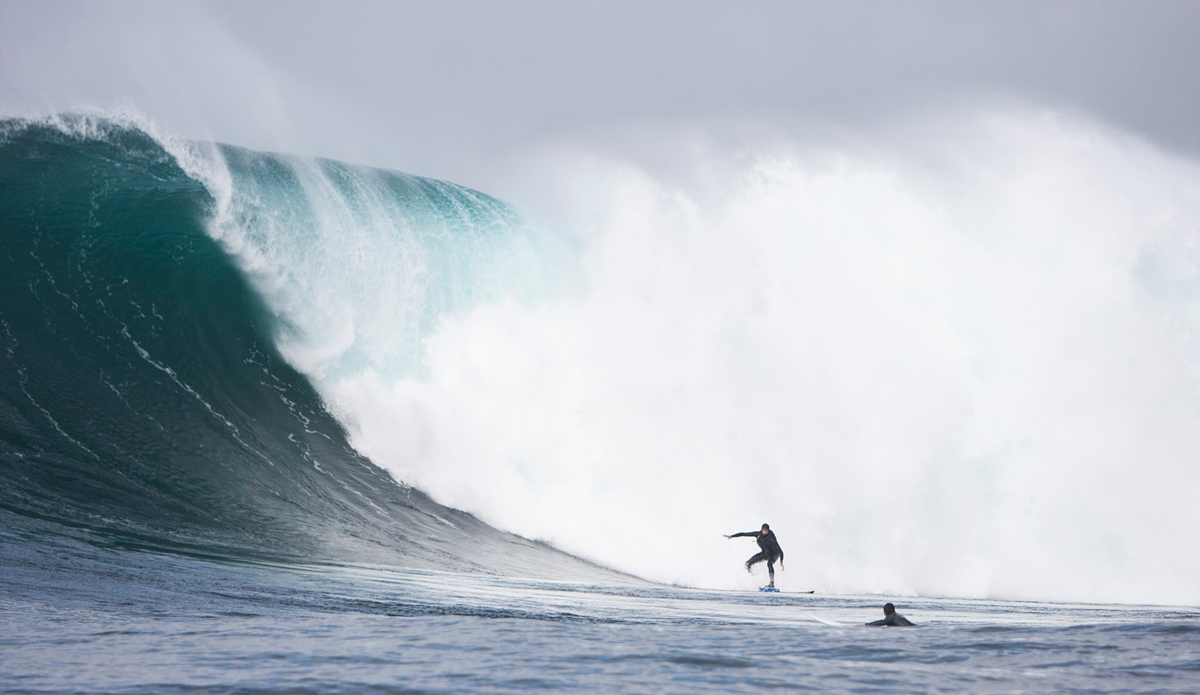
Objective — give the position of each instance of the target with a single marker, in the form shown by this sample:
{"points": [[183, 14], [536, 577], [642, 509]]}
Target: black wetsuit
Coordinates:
{"points": [[770, 551], [893, 620]]}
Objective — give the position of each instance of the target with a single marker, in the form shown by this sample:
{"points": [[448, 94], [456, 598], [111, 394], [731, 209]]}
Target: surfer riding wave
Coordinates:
{"points": [[769, 552]]}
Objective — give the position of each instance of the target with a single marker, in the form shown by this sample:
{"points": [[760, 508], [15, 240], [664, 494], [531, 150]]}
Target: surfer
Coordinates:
{"points": [[769, 551], [891, 619]]}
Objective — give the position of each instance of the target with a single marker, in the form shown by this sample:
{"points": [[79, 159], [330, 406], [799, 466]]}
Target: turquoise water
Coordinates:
{"points": [[142, 393]]}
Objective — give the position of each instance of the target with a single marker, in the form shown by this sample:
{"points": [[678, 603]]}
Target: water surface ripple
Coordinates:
{"points": [[77, 618]]}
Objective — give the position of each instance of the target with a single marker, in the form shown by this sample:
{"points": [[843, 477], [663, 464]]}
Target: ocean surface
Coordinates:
{"points": [[79, 617], [183, 510]]}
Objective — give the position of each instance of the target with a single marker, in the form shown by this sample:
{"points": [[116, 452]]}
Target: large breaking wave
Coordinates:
{"points": [[965, 367], [143, 398]]}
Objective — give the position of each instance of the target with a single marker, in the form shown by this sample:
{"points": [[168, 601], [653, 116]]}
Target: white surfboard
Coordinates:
{"points": [[823, 621]]}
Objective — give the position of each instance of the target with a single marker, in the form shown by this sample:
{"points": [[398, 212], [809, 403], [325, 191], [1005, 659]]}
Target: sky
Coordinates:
{"points": [[456, 89]]}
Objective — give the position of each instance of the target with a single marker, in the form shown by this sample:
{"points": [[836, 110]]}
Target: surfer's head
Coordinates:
{"points": [[888, 609], [766, 527]]}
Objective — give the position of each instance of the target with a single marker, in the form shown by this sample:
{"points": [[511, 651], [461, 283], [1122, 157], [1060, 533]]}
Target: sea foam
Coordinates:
{"points": [[962, 367]]}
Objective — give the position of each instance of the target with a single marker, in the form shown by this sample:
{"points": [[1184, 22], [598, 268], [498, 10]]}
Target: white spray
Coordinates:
{"points": [[968, 371]]}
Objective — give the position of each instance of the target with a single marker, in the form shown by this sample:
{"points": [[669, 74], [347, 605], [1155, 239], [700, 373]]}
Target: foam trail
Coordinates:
{"points": [[965, 371]]}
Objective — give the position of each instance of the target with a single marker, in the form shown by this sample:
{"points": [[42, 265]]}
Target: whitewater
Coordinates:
{"points": [[277, 422], [966, 370]]}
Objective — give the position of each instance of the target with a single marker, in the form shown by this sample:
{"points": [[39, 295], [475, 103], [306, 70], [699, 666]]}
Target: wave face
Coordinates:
{"points": [[143, 398]]}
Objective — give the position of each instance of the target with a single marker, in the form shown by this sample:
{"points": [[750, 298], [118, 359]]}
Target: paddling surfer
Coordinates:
{"points": [[769, 550], [890, 619]]}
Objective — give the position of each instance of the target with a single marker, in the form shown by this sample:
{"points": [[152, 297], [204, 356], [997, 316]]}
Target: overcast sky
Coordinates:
{"points": [[448, 89]]}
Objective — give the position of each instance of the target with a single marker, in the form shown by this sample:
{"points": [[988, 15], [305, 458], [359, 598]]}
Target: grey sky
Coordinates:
{"points": [[450, 88]]}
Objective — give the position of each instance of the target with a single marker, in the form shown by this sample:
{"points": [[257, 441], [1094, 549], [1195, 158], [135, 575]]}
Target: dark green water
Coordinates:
{"points": [[142, 398]]}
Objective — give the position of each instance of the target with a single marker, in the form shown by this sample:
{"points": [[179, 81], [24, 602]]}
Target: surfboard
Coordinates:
{"points": [[777, 591], [823, 621]]}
